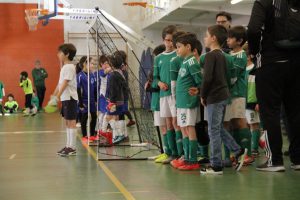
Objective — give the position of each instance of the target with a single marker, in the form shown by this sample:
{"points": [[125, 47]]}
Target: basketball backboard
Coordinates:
{"points": [[50, 5]]}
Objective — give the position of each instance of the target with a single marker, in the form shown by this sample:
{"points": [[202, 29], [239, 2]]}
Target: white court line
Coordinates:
{"points": [[107, 193], [24, 132], [12, 156]]}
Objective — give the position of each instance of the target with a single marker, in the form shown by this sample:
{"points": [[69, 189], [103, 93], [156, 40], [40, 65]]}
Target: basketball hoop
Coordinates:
{"points": [[31, 17]]}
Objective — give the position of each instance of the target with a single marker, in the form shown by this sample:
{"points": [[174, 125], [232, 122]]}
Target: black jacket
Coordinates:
{"points": [[117, 88], [260, 34]]}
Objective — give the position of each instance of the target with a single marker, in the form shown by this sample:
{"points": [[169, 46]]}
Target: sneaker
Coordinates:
{"points": [[153, 157], [212, 170], [255, 152], [161, 158], [78, 125], [177, 162], [240, 158], [189, 166], [295, 167], [168, 160], [130, 123], [203, 161], [115, 139], [68, 152], [248, 160], [118, 139], [270, 168], [60, 151]]}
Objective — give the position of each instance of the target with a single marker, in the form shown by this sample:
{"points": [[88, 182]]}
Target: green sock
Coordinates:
{"points": [[236, 136], [186, 142], [172, 142], [167, 149], [245, 138], [179, 143], [204, 151], [255, 139], [193, 151]]}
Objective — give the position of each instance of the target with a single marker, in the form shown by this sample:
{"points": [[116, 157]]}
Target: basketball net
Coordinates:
{"points": [[31, 17]]}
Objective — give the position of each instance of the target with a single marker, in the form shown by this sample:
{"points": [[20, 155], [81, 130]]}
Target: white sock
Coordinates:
{"points": [[68, 137], [100, 120], [121, 127], [113, 125], [72, 138], [104, 125]]}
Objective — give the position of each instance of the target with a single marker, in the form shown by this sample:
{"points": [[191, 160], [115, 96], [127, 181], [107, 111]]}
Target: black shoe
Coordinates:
{"points": [[210, 170], [203, 161], [270, 168], [60, 151]]}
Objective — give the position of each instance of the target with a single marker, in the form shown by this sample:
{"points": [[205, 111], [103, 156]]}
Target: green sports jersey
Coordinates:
{"points": [[154, 98], [161, 71], [11, 105], [189, 75], [230, 73], [27, 86], [251, 87], [239, 88], [1, 90], [175, 66]]}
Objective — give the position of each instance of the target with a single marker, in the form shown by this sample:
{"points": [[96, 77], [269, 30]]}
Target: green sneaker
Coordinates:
{"points": [[161, 158]]}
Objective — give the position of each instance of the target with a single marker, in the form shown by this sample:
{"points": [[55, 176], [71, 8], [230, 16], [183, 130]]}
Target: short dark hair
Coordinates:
{"points": [[159, 49], [83, 60], [24, 73], [246, 48], [10, 95], [68, 48], [198, 47], [239, 33], [116, 61], [171, 29], [123, 55], [224, 14], [220, 32], [176, 35], [188, 38], [103, 58]]}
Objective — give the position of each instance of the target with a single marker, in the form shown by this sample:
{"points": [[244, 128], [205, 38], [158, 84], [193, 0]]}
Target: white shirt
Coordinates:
{"points": [[68, 72]]}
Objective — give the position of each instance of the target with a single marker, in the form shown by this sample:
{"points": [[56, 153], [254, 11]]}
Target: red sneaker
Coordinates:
{"points": [[248, 160], [189, 167], [177, 163], [130, 123]]}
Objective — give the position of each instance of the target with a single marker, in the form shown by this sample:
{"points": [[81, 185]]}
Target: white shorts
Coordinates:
{"points": [[1, 100], [252, 117], [158, 121], [187, 116], [235, 110], [167, 106]]}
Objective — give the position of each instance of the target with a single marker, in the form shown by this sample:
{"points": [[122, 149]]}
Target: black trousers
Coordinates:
{"points": [[28, 98], [84, 118], [201, 129], [276, 84], [40, 91]]}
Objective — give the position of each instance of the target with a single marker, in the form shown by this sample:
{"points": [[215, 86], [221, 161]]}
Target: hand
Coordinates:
{"points": [[82, 106], [163, 86], [147, 85], [53, 100], [203, 102], [257, 108], [111, 107], [193, 91]]}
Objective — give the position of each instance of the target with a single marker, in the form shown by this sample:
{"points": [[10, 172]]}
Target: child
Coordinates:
{"points": [[236, 110], [35, 102], [67, 93], [252, 114], [117, 89], [82, 91], [214, 96], [26, 84], [162, 77], [2, 94], [125, 73], [103, 77], [11, 106], [187, 105]]}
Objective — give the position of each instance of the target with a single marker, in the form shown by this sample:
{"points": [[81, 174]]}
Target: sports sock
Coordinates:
{"points": [[166, 147], [172, 142], [179, 143], [245, 139], [186, 148], [193, 151], [255, 139]]}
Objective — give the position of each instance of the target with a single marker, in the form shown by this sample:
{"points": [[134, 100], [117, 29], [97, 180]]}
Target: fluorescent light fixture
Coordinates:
{"points": [[235, 1]]}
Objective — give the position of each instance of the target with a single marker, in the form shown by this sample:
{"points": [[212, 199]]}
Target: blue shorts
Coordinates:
{"points": [[119, 110], [125, 106], [102, 104]]}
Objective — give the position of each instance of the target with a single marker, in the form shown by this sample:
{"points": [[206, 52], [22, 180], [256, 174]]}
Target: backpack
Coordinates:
{"points": [[286, 24]]}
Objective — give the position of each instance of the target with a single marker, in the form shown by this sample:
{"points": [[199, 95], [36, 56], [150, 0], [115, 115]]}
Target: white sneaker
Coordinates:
{"points": [[295, 167]]}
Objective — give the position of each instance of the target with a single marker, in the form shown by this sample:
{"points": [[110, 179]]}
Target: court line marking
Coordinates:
{"points": [[110, 175], [12, 156], [24, 132]]}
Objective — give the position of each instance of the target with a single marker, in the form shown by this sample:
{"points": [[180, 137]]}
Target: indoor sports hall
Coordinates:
{"points": [[149, 99]]}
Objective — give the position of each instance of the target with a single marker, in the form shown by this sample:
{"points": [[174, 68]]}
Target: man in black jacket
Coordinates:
{"points": [[277, 82]]}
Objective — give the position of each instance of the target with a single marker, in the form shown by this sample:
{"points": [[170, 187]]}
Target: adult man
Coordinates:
{"points": [[224, 19], [277, 78], [39, 75]]}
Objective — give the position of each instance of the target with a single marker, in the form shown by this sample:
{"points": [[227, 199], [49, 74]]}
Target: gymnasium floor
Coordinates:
{"points": [[30, 169]]}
